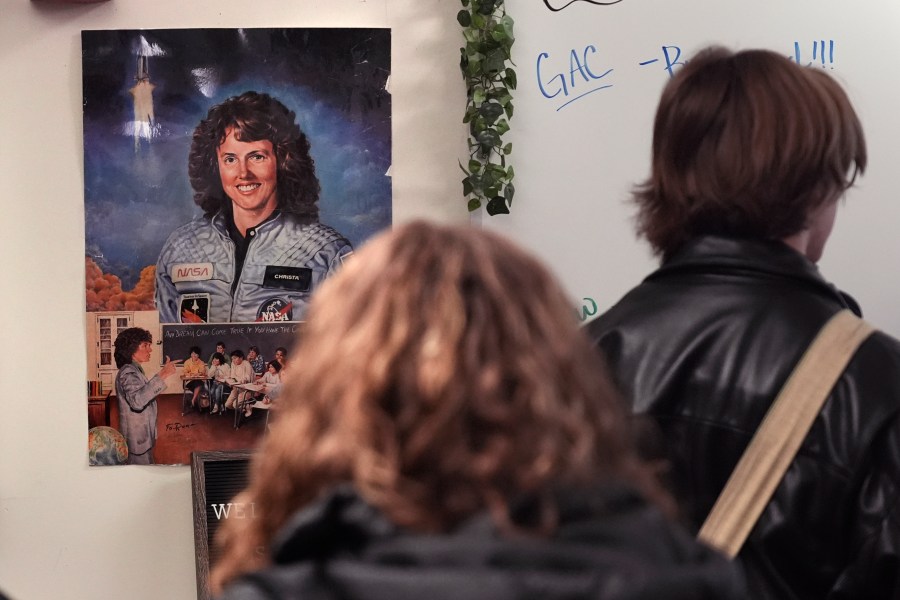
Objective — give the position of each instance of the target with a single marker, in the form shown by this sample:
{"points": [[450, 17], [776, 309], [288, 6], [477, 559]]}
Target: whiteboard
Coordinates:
{"points": [[590, 77]]}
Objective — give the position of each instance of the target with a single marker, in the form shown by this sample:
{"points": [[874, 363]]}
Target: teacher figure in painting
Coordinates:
{"points": [[259, 250], [137, 393]]}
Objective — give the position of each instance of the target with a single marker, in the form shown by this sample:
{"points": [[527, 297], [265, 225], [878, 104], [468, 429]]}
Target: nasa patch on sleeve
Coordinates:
{"points": [[288, 278], [191, 272], [194, 308]]}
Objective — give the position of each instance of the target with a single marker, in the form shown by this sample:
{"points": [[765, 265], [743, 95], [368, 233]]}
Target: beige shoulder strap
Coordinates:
{"points": [[781, 432]]}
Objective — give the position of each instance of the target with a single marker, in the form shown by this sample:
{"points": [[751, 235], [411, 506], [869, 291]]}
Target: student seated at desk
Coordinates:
{"points": [[257, 362], [194, 375], [241, 372], [220, 348], [454, 435], [271, 379], [218, 373]]}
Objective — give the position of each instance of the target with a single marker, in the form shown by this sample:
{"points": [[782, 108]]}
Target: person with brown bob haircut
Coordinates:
{"points": [[751, 155], [454, 435]]}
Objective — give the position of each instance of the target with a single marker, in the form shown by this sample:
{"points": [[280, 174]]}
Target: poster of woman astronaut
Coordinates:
{"points": [[227, 174]]}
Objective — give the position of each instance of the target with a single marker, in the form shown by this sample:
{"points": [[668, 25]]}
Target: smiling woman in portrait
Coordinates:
{"points": [[259, 250]]}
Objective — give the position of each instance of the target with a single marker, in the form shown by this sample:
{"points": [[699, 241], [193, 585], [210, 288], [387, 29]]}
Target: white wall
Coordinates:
{"points": [[68, 531]]}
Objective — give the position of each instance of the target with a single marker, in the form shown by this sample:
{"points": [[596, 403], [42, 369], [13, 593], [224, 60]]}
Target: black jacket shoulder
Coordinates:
{"points": [[701, 348]]}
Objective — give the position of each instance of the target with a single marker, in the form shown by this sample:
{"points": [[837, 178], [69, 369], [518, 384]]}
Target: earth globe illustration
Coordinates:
{"points": [[106, 446]]}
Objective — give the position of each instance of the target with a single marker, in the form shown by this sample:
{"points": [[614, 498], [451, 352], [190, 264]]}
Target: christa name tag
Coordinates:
{"points": [[288, 278]]}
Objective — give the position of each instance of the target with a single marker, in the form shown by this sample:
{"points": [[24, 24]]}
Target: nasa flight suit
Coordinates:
{"points": [[196, 280]]}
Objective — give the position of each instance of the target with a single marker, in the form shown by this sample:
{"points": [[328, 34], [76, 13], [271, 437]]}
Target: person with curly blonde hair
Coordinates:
{"points": [[453, 433]]}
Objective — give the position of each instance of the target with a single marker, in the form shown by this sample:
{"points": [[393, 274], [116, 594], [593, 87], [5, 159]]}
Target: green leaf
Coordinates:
{"points": [[464, 18], [478, 96], [509, 110], [502, 127], [488, 137], [474, 166], [498, 34], [490, 111], [467, 186], [473, 50], [510, 78], [494, 61], [474, 204], [510, 173], [465, 2], [506, 23], [509, 192], [497, 206], [478, 21], [507, 149], [497, 171], [487, 7]]}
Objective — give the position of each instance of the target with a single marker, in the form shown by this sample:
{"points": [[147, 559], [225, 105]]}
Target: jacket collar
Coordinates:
{"points": [[755, 259], [342, 521], [338, 521], [223, 221]]}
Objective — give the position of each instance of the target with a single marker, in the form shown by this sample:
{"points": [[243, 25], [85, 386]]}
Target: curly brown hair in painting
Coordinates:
{"points": [[127, 343], [255, 116]]}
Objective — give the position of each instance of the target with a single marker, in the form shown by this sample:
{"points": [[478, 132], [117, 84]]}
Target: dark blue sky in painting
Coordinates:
{"points": [[136, 187]]}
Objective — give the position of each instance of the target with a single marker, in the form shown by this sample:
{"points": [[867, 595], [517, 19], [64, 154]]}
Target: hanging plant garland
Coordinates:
{"points": [[485, 62]]}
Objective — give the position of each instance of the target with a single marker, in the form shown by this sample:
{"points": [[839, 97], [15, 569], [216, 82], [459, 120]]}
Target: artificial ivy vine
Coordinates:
{"points": [[485, 64]]}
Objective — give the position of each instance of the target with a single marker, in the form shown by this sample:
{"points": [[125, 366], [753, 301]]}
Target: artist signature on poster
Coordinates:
{"points": [[558, 6], [176, 426], [582, 71]]}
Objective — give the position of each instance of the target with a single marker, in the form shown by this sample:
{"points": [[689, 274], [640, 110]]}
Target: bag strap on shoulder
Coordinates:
{"points": [[776, 442]]}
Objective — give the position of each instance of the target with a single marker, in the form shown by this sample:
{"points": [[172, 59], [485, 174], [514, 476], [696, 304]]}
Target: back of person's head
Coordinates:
{"points": [[444, 375], [237, 354], [749, 145]]}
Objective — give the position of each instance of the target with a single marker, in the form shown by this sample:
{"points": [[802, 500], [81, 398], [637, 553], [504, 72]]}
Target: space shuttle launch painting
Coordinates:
{"points": [[142, 96]]}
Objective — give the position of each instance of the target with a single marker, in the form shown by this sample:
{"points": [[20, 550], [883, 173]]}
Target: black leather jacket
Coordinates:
{"points": [[703, 346], [610, 546]]}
